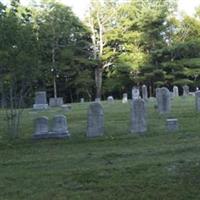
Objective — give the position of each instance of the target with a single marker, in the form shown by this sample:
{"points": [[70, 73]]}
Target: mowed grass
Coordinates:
{"points": [[155, 166]]}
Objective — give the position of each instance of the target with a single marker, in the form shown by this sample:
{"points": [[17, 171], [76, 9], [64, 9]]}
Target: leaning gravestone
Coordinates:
{"points": [[59, 127], [197, 99], [163, 100], [144, 92], [125, 98], [186, 90], [95, 126], [138, 116], [175, 91], [40, 100], [41, 127], [135, 93], [110, 99], [53, 102]]}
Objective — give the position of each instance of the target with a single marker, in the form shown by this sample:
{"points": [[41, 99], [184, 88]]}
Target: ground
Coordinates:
{"points": [[118, 166]]}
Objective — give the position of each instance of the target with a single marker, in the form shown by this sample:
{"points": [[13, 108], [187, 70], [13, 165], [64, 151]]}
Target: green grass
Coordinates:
{"points": [[155, 166]]}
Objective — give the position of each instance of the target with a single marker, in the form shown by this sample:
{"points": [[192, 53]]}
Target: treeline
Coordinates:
{"points": [[118, 45]]}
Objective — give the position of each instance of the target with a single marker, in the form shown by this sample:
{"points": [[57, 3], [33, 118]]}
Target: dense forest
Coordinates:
{"points": [[46, 47]]}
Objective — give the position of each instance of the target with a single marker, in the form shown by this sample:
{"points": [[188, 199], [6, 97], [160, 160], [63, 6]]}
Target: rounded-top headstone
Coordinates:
{"points": [[163, 100], [138, 116], [125, 98], [186, 90], [135, 93], [110, 99], [59, 125], [95, 125], [175, 91], [144, 92]]}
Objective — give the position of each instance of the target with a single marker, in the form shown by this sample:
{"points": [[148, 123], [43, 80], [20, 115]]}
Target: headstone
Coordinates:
{"points": [[163, 100], [53, 102], [186, 90], [41, 127], [197, 99], [144, 92], [40, 100], [82, 100], [59, 127], [172, 124], [110, 99], [125, 98], [135, 93], [95, 126], [66, 107], [197, 88], [98, 99], [138, 116], [175, 91]]}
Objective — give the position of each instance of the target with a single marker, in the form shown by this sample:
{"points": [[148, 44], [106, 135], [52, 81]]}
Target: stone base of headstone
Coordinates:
{"points": [[40, 106], [53, 102], [172, 125]]}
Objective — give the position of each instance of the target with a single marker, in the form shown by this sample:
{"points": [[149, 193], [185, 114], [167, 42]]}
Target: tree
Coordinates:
{"points": [[101, 21]]}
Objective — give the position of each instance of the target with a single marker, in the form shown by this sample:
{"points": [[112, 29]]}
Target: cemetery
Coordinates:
{"points": [[104, 106]]}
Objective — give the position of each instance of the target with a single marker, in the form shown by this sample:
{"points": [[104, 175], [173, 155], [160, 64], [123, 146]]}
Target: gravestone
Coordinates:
{"points": [[59, 127], [172, 124], [186, 90], [110, 99], [53, 102], [41, 127], [82, 100], [175, 91], [163, 100], [97, 100], [197, 101], [138, 116], [144, 92], [40, 100], [125, 98], [135, 93], [95, 124]]}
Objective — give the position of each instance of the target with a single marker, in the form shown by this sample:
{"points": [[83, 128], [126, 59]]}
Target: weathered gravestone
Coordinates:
{"points": [[197, 101], [163, 100], [40, 100], [172, 125], [59, 127], [97, 99], [125, 98], [138, 116], [144, 92], [175, 91], [186, 90], [110, 99], [41, 127], [135, 93], [82, 100], [53, 102], [95, 126]]}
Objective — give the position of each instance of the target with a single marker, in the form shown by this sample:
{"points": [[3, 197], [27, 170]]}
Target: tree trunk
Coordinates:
{"points": [[54, 73], [98, 81]]}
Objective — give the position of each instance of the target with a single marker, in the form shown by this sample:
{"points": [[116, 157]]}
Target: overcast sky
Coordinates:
{"points": [[80, 6]]}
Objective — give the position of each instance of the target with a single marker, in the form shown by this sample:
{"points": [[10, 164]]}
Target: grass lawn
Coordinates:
{"points": [[118, 166]]}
